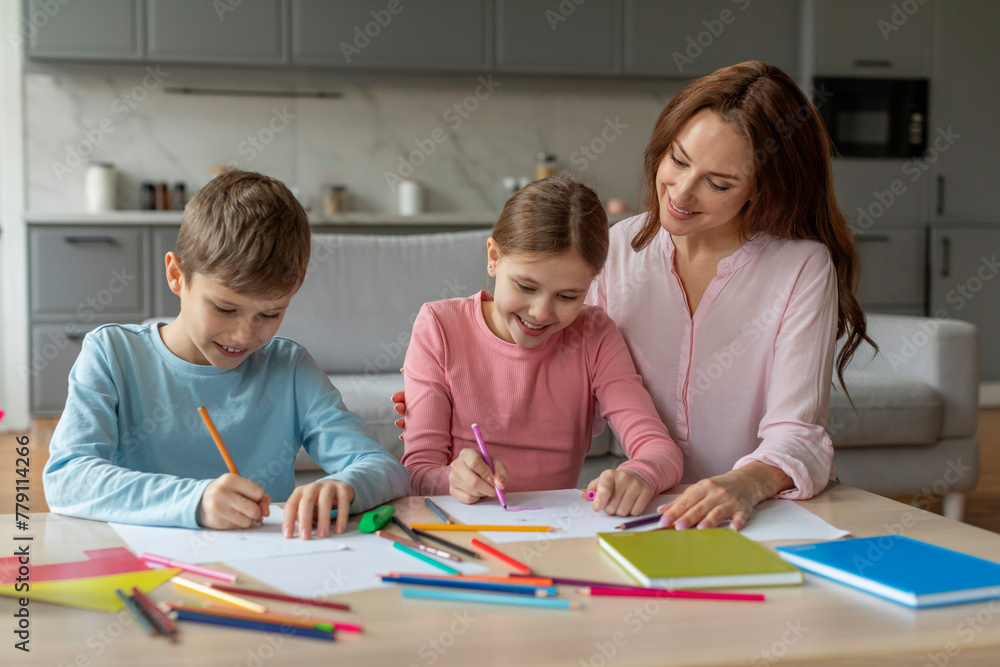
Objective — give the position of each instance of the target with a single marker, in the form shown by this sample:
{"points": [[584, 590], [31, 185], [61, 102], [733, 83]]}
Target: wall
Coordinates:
{"points": [[13, 266], [460, 134]]}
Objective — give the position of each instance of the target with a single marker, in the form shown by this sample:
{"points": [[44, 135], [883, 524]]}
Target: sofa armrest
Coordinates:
{"points": [[941, 353]]}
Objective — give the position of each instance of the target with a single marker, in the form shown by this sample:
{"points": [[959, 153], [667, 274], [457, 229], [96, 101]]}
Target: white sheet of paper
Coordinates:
{"points": [[565, 509], [211, 546], [355, 568]]}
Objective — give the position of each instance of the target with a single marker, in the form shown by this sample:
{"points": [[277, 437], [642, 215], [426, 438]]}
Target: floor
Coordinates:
{"points": [[982, 505]]}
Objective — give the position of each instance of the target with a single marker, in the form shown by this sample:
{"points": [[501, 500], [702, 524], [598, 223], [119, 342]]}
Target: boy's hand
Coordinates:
{"points": [[232, 502], [470, 478], [317, 499], [620, 493]]}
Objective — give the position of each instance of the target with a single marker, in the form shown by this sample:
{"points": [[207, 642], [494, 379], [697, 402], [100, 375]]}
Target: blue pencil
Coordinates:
{"points": [[437, 510], [246, 624], [491, 598], [495, 587]]}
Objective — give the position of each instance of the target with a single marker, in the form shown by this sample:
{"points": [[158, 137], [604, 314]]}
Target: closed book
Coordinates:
{"points": [[910, 572], [708, 558]]}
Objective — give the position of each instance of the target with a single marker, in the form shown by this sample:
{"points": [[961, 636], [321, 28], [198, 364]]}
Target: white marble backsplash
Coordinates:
{"points": [[460, 145]]}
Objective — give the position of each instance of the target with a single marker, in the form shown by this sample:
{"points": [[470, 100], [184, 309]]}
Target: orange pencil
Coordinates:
{"points": [[517, 565], [218, 441]]}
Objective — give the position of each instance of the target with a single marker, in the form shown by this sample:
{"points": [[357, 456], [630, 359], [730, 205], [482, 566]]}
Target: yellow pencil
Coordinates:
{"points": [[456, 526], [219, 595], [218, 440]]}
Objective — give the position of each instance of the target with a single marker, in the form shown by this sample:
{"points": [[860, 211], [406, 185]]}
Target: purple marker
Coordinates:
{"points": [[591, 495], [489, 462]]}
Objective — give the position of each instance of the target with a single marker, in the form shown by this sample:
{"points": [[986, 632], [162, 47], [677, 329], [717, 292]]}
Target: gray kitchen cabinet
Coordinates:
{"points": [[680, 38], [881, 38], [962, 161], [964, 283], [224, 32], [83, 29], [443, 35], [892, 273], [559, 37], [165, 302], [874, 192], [54, 349], [79, 273], [79, 277]]}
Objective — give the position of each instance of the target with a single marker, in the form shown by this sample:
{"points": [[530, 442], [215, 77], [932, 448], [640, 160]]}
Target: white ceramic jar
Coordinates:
{"points": [[100, 189], [411, 198]]}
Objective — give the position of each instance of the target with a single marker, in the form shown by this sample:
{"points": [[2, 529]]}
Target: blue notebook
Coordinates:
{"points": [[912, 573]]}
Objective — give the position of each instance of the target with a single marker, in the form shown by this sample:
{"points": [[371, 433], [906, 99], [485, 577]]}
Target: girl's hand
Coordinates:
{"points": [[317, 499], [732, 495], [470, 478], [620, 493], [399, 398], [232, 502]]}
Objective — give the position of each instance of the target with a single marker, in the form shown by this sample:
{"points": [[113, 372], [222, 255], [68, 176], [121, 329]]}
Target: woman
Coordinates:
{"points": [[732, 289]]}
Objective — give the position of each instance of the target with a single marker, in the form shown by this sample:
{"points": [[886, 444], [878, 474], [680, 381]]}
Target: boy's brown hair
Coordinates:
{"points": [[554, 215], [247, 231]]}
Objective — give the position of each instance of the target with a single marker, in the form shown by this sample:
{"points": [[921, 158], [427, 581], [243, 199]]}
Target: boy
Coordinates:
{"points": [[131, 446]]}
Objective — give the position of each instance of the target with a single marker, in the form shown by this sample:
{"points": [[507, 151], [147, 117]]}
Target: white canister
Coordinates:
{"points": [[100, 186], [411, 198]]}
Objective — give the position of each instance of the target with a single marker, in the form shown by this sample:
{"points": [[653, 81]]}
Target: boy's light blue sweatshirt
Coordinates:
{"points": [[130, 446]]}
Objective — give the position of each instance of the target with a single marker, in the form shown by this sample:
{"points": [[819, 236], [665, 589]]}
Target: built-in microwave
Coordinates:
{"points": [[874, 117]]}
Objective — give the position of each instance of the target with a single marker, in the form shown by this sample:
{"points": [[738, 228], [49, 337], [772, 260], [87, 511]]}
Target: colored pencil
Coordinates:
{"points": [[281, 596], [489, 462], [491, 598], [565, 581], [668, 593], [219, 595], [440, 553], [159, 619], [641, 521], [406, 529], [509, 579], [451, 545], [426, 559], [312, 621], [458, 582], [136, 612], [437, 510], [482, 528], [247, 624], [516, 564], [218, 440], [190, 567]]}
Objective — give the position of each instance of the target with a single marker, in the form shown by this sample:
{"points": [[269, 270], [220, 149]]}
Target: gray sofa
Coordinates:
{"points": [[912, 433]]}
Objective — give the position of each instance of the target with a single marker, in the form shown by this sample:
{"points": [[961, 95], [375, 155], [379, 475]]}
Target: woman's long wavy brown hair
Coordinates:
{"points": [[791, 180]]}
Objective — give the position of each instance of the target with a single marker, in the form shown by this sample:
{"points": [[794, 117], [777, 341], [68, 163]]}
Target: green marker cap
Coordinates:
{"points": [[374, 519]]}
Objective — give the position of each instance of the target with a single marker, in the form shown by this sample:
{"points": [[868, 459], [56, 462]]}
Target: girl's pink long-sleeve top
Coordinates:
{"points": [[747, 377], [535, 408]]}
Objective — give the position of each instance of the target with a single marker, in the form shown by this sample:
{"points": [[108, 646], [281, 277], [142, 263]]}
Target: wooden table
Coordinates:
{"points": [[818, 622]]}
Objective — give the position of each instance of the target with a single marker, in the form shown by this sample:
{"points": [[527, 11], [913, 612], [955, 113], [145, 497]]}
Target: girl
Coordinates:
{"points": [[527, 364]]}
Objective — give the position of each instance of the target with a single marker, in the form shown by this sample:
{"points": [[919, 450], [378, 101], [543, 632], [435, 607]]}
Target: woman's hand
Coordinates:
{"points": [[620, 493], [399, 398], [732, 496], [471, 479]]}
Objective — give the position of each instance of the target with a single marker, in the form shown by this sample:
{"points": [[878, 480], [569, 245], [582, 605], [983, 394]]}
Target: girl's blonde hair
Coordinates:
{"points": [[554, 215]]}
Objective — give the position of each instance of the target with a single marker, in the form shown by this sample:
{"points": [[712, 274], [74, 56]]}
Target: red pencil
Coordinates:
{"points": [[517, 565], [668, 593], [279, 596], [159, 619]]}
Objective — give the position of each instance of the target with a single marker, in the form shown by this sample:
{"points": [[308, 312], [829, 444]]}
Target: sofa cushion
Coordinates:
{"points": [[356, 307], [891, 410], [369, 398]]}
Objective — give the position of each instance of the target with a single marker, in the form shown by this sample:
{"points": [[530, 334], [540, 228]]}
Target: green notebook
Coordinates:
{"points": [[709, 558]]}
